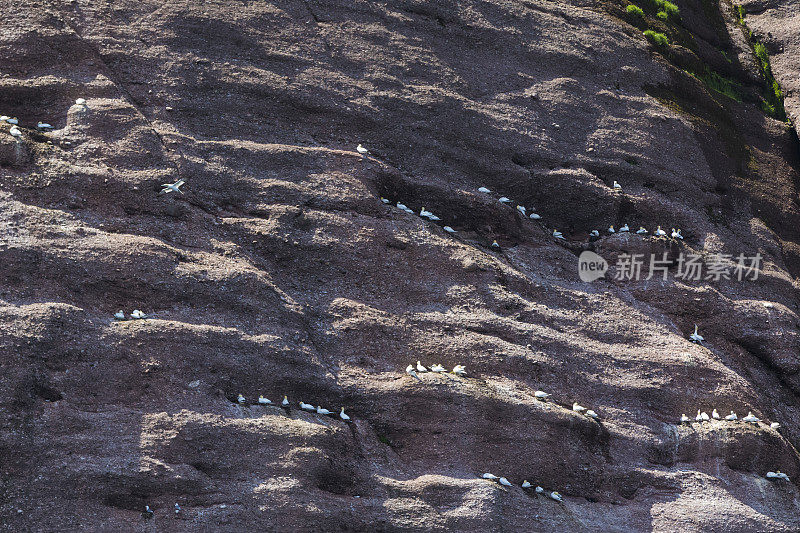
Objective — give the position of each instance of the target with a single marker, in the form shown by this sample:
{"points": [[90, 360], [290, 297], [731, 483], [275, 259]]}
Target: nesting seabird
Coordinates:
{"points": [[641, 231], [438, 368], [177, 508], [541, 395], [594, 233], [483, 189], [521, 209], [172, 187], [660, 232], [80, 101], [578, 408], [448, 229], [343, 415], [495, 245], [556, 496], [138, 315], [487, 475], [285, 401], [557, 234], [676, 234], [459, 370], [684, 419], [753, 419], [119, 315], [526, 484], [240, 399], [534, 216], [421, 367], [617, 185], [592, 414], [402, 206], [148, 513], [777, 475], [775, 425], [263, 401], [4, 118], [611, 229], [731, 417], [14, 121], [503, 481], [696, 337], [307, 406], [43, 126], [361, 150], [424, 213], [715, 415], [384, 200], [322, 411], [503, 200], [624, 228], [539, 490], [15, 132], [411, 372]]}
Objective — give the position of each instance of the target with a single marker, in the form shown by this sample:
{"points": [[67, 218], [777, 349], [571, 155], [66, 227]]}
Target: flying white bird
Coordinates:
{"points": [[526, 485], [578, 408], [676, 234], [617, 185], [541, 395], [556, 496], [343, 415], [641, 231], [44, 126], [624, 228], [459, 370], [138, 314], [285, 402], [684, 419], [753, 419], [503, 481], [361, 150], [321, 411], [421, 367], [611, 229], [240, 399], [534, 216], [483, 189], [731, 417], [660, 232], [172, 187], [307, 406], [503, 200], [263, 401], [487, 475], [448, 229], [438, 368], [119, 315], [715, 414], [696, 337]]}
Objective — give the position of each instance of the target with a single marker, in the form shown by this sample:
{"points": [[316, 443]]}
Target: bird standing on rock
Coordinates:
{"points": [[285, 402], [322, 411], [578, 408], [487, 475], [731, 417], [343, 415], [503, 481], [172, 187], [483, 189], [361, 150], [306, 406], [420, 367], [411, 372], [263, 401], [685, 419], [459, 370], [541, 395], [715, 414], [696, 337]]}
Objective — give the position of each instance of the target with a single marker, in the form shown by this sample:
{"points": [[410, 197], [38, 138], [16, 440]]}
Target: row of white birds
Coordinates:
{"points": [[458, 370], [543, 396], [241, 400], [15, 132], [702, 416], [135, 315], [525, 485]]}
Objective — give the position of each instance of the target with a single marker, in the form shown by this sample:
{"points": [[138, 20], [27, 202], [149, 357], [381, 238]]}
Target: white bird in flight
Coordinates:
{"points": [[483, 189], [696, 337], [172, 187], [263, 401], [343, 415]]}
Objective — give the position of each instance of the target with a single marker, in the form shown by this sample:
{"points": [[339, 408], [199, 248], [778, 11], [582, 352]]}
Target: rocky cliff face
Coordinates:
{"points": [[281, 272]]}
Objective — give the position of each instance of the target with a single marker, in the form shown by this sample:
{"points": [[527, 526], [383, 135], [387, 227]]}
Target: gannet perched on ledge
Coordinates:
{"points": [[15, 132], [624, 228], [322, 411], [411, 372], [343, 415], [13, 121], [421, 367], [138, 315], [775, 425], [438, 368], [611, 229], [448, 229], [483, 189], [503, 481], [285, 401], [177, 508], [119, 315], [556, 496], [592, 414], [557, 234], [526, 485], [534, 216], [487, 475], [578, 408], [594, 233], [495, 245], [172, 187], [240, 399], [617, 185], [504, 200], [361, 150], [684, 419], [263, 401], [641, 231], [715, 414], [751, 418], [731, 417], [306, 406], [660, 232], [80, 101], [539, 490], [701, 417], [676, 234], [696, 337], [521, 209], [459, 370], [541, 395], [777, 475], [43, 126]]}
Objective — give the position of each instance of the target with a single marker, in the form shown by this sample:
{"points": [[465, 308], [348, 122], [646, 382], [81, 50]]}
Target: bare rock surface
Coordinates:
{"points": [[280, 271]]}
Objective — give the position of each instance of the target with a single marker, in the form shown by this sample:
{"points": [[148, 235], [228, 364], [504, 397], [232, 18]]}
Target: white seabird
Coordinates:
{"points": [[660, 232], [777, 475], [594, 233], [285, 401], [403, 207], [521, 209], [14, 121], [263, 401], [715, 415], [556, 496], [624, 228], [438, 368], [503, 200], [539, 490], [592, 414], [43, 126], [177, 508], [138, 314], [526, 485], [384, 200], [15, 132], [684, 419], [534, 216], [731, 417], [119, 315], [343, 415], [4, 118], [411, 372], [421, 367], [495, 245], [448, 229], [611, 229], [676, 234], [699, 417], [459, 370], [641, 231], [240, 399], [503, 481], [696, 337], [487, 475], [483, 189], [148, 512], [775, 425], [617, 185], [173, 187], [541, 395], [753, 419], [307, 406], [704, 416], [424, 213], [361, 150], [578, 408], [557, 234], [80, 101], [322, 411]]}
